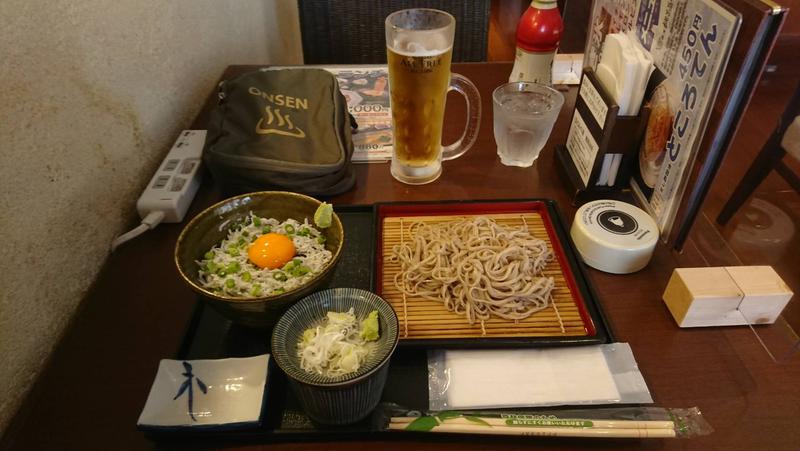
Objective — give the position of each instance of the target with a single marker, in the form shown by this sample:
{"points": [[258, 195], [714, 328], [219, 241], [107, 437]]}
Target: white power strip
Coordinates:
{"points": [[170, 192], [175, 183]]}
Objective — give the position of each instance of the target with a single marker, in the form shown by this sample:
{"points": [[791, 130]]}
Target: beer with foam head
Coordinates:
{"points": [[419, 47]]}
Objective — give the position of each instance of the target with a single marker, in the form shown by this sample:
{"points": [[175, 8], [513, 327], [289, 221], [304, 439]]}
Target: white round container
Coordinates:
{"points": [[613, 236]]}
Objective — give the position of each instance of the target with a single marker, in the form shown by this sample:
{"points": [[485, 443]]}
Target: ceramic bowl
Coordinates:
{"points": [[344, 399], [210, 227]]}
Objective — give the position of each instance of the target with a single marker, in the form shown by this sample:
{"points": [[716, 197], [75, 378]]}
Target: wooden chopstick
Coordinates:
{"points": [[546, 427], [545, 431], [589, 423]]}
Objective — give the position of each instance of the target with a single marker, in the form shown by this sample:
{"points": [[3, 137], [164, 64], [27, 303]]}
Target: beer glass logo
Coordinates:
{"points": [[279, 124], [417, 64]]}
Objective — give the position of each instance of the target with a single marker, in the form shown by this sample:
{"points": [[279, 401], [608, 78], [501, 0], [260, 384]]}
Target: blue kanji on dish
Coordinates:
{"points": [[187, 385]]}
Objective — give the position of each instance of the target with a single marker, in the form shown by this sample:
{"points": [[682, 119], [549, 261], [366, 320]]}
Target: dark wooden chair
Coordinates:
{"points": [[785, 139], [352, 32]]}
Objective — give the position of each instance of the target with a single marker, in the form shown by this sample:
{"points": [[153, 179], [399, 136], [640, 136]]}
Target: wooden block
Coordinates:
{"points": [[700, 297], [765, 293]]}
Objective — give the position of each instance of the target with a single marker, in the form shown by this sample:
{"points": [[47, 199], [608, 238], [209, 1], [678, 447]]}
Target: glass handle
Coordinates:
{"points": [[463, 86]]}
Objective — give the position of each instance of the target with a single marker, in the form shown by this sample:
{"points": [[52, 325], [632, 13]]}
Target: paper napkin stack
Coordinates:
{"points": [[624, 69]]}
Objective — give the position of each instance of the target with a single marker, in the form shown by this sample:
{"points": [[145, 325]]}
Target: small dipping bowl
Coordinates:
{"points": [[344, 399]]}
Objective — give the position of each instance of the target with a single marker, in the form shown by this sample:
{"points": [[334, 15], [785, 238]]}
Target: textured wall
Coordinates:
{"points": [[93, 93]]}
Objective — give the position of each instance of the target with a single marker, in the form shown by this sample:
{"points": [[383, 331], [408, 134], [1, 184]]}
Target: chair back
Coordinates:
{"points": [[352, 32]]}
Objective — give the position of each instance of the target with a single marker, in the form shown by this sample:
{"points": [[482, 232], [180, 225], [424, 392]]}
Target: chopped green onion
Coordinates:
{"points": [[209, 255], [280, 290], [232, 250], [256, 290], [289, 228], [292, 264], [295, 268], [279, 276], [245, 233], [230, 283], [246, 276], [300, 271], [233, 268], [304, 232], [266, 229], [321, 239], [212, 267], [222, 273], [256, 221]]}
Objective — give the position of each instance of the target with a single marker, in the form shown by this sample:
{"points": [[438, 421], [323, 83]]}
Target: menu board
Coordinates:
{"points": [[690, 41], [366, 89]]}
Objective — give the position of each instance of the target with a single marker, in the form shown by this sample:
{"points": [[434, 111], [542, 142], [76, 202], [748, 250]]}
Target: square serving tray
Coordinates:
{"points": [[211, 336], [424, 322]]}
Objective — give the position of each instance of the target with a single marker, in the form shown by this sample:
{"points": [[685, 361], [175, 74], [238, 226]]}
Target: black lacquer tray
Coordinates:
{"points": [[211, 336]]}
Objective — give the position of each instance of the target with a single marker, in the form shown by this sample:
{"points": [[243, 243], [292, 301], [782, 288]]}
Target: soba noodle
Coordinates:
{"points": [[476, 267]]}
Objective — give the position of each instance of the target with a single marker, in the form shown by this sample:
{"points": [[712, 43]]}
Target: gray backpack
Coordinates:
{"points": [[285, 129]]}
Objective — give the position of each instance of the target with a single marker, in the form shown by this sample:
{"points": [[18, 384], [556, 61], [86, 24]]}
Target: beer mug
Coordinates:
{"points": [[419, 46]]}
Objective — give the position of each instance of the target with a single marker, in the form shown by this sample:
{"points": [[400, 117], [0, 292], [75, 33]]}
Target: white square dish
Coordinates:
{"points": [[219, 394]]}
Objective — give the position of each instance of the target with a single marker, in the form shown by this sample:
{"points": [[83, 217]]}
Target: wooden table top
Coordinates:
{"points": [[95, 384]]}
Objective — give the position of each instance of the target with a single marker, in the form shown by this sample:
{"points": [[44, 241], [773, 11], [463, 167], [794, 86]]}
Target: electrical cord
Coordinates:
{"points": [[150, 221]]}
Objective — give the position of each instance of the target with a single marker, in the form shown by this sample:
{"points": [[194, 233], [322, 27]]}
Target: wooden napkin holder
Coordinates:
{"points": [[596, 129]]}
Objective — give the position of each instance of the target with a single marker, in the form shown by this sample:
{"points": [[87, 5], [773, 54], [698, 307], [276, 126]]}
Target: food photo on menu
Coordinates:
{"points": [[450, 224], [659, 127]]}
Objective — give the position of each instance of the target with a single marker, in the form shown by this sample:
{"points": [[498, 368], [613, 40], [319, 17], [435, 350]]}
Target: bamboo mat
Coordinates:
{"points": [[425, 319]]}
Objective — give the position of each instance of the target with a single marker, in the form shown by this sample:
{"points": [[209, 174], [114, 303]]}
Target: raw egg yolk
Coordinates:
{"points": [[271, 251]]}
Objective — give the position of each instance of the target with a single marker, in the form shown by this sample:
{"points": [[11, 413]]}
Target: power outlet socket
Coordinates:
{"points": [[177, 179]]}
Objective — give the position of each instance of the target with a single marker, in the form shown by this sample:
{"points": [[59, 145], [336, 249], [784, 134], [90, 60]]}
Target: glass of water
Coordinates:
{"points": [[524, 115]]}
